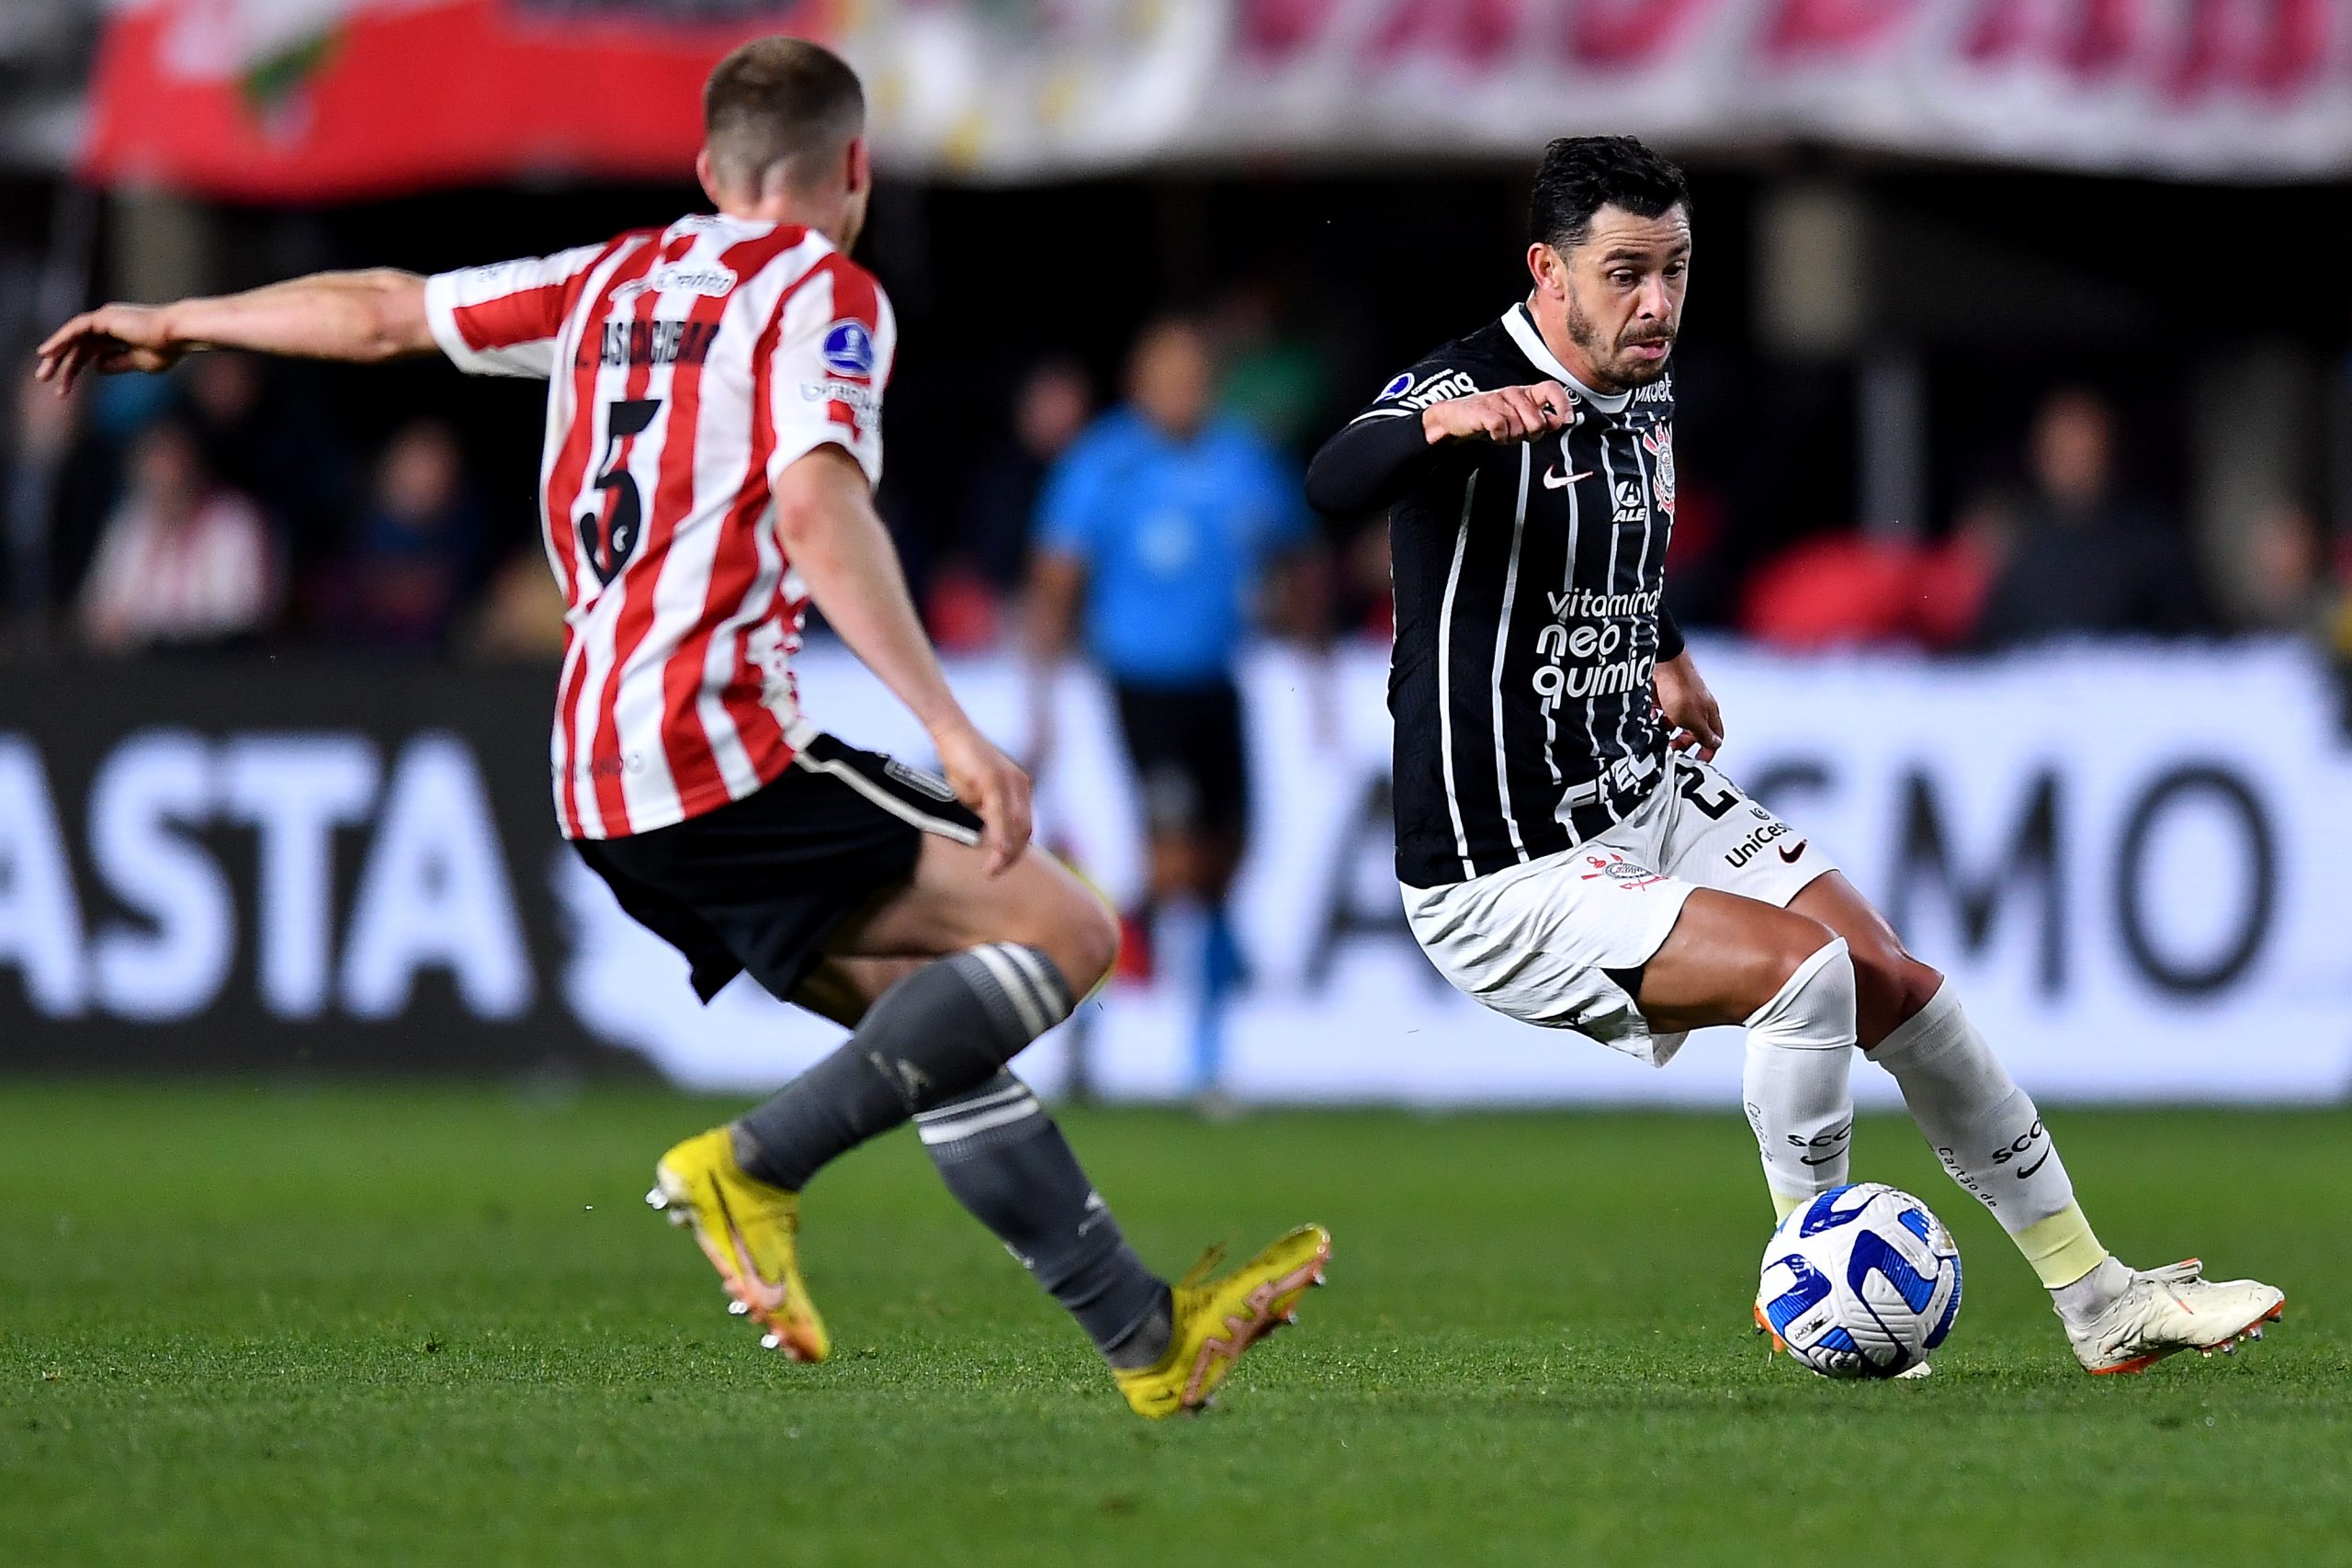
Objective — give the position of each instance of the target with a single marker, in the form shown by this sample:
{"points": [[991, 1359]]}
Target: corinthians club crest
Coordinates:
{"points": [[1658, 441]]}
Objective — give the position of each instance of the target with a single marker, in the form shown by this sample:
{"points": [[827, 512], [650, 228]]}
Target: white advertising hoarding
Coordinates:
{"points": [[2133, 862]]}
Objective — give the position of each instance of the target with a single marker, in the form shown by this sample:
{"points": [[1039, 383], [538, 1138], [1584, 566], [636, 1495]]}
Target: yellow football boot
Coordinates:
{"points": [[747, 1230], [1212, 1321]]}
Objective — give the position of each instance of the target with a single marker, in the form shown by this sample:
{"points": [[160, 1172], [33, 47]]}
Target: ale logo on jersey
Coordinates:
{"points": [[849, 349], [1658, 442]]}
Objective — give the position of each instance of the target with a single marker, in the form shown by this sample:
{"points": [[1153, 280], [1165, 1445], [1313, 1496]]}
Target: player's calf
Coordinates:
{"points": [[1009, 1164], [1795, 1083], [943, 1031], [1791, 981], [1992, 1141]]}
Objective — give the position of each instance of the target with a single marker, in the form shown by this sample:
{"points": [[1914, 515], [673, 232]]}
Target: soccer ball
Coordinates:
{"points": [[1861, 1282]]}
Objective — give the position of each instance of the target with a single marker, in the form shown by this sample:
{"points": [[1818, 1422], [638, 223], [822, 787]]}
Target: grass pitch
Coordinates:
{"points": [[257, 1326]]}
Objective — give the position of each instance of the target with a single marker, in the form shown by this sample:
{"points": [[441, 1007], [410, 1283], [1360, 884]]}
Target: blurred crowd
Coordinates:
{"points": [[220, 508], [2061, 547], [216, 509]]}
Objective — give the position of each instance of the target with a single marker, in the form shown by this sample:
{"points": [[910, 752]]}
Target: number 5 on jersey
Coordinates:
{"points": [[609, 536]]}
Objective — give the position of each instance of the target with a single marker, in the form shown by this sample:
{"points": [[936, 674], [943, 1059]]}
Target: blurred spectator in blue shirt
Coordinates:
{"points": [[415, 547], [1155, 533]]}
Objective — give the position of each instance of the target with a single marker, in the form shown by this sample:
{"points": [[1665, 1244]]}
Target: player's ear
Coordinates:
{"points": [[860, 170], [709, 180], [1549, 270]]}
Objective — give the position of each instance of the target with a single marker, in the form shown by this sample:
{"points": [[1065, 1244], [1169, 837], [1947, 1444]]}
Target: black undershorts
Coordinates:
{"points": [[1186, 744], [755, 886]]}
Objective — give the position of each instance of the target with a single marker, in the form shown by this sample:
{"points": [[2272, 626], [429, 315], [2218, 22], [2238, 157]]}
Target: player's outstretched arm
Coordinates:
{"points": [[1372, 458], [359, 317], [824, 510]]}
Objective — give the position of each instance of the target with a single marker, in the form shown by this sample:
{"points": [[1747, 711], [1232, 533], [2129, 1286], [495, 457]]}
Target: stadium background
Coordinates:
{"points": [[330, 1087], [323, 844]]}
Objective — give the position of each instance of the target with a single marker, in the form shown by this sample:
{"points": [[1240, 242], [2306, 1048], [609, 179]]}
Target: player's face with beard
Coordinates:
{"points": [[1623, 287]]}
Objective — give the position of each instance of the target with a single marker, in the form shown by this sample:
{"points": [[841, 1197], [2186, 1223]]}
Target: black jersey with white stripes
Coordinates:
{"points": [[1528, 580]]}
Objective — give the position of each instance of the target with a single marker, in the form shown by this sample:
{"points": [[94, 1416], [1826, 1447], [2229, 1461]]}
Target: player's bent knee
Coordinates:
{"points": [[1814, 1004], [1094, 944], [1076, 930], [1897, 994], [1795, 941]]}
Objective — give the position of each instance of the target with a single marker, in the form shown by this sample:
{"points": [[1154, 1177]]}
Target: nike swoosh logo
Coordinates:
{"points": [[1552, 480], [2037, 1164], [1789, 855], [1824, 1159]]}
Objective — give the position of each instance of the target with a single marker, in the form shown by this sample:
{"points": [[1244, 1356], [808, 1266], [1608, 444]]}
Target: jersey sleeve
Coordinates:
{"points": [[1376, 453], [1071, 502], [833, 353], [503, 319]]}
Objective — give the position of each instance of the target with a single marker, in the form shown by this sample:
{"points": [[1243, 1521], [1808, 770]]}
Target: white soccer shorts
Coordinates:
{"points": [[1536, 941]]}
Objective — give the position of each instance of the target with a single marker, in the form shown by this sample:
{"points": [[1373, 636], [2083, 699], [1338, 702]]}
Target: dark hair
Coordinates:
{"points": [[775, 100], [1581, 175]]}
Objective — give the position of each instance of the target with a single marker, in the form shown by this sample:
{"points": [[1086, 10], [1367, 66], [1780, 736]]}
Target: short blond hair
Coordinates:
{"points": [[779, 102]]}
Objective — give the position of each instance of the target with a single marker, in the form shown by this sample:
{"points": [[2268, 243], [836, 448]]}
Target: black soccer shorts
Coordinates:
{"points": [[1187, 747], [755, 886]]}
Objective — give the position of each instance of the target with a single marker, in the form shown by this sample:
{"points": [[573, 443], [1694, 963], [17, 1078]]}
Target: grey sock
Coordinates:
{"points": [[1006, 1161], [944, 1030]]}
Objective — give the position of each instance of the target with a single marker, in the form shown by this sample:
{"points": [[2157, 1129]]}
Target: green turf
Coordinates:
{"points": [[260, 1325]]}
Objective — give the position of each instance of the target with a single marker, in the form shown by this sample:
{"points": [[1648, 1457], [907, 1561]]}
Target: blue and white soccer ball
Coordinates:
{"points": [[1861, 1282]]}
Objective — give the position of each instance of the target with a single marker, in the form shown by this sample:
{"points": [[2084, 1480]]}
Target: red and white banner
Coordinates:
{"points": [[305, 99], [315, 99]]}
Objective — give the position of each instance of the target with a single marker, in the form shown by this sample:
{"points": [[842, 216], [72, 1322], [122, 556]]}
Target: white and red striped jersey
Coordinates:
{"points": [[687, 368]]}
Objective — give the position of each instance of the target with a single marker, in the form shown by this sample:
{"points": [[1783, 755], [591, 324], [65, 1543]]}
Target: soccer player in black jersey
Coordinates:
{"points": [[1568, 853]]}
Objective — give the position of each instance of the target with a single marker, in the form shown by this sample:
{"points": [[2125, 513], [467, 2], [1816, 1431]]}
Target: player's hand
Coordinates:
{"points": [[110, 340], [1695, 720], [992, 785], [1505, 414]]}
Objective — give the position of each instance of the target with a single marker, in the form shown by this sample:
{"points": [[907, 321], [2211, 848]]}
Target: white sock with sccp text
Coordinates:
{"points": [[1799, 1057], [1990, 1138]]}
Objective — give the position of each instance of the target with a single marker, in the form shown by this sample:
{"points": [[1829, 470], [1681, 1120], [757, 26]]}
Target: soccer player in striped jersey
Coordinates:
{"points": [[1568, 853], [713, 436]]}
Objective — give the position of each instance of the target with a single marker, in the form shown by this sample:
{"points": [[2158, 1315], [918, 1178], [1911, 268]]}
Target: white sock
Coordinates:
{"points": [[1799, 1057], [2093, 1293], [1990, 1138]]}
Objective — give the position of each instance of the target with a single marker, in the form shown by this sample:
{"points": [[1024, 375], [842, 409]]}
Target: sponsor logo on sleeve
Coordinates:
{"points": [[849, 349], [1435, 388], [859, 397]]}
